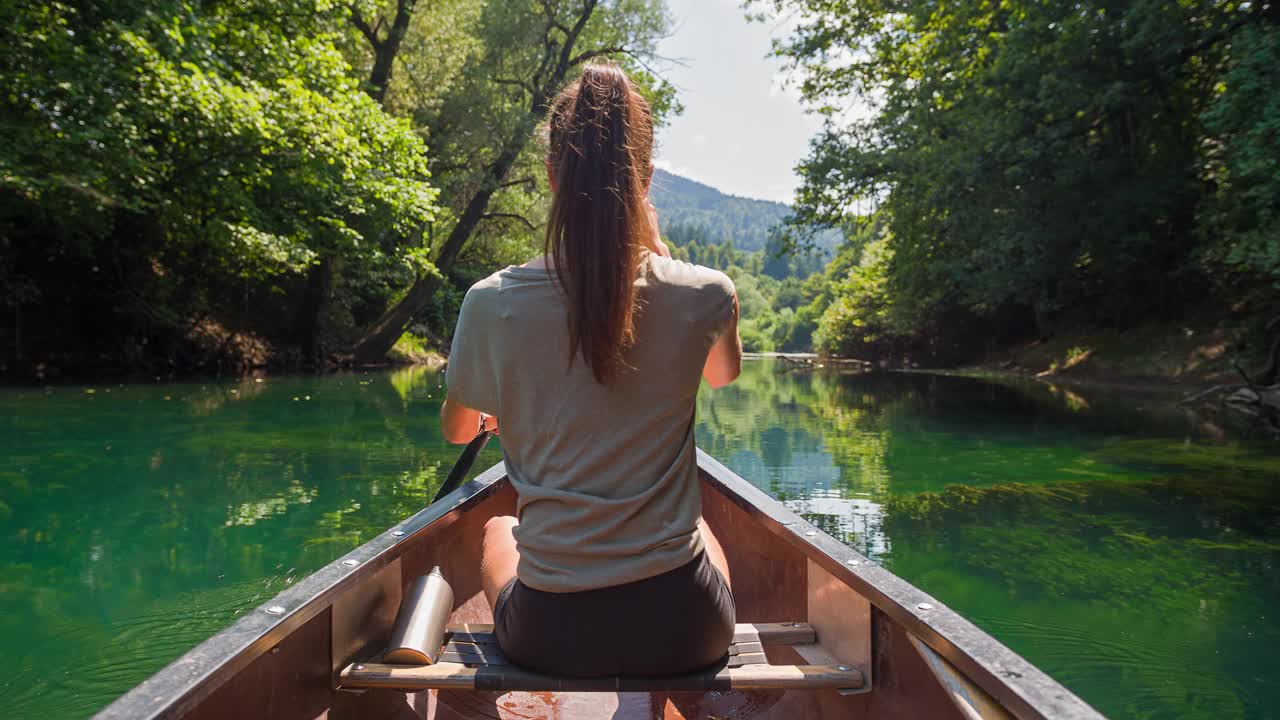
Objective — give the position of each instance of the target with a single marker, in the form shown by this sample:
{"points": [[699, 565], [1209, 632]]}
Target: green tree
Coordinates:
{"points": [[859, 322], [1049, 157], [165, 162], [1242, 224], [523, 54]]}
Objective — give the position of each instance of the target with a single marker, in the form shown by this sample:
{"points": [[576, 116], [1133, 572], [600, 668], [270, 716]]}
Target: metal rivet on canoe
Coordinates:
{"points": [[853, 561], [810, 533], [924, 606], [787, 522], [275, 610], [275, 650], [351, 563], [843, 668], [397, 533]]}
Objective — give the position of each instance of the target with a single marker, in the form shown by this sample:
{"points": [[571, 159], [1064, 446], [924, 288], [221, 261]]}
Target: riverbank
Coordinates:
{"points": [[1183, 356], [205, 355], [1206, 367]]}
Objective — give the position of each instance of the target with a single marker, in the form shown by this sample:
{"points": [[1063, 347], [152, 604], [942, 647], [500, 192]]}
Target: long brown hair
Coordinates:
{"points": [[599, 133]]}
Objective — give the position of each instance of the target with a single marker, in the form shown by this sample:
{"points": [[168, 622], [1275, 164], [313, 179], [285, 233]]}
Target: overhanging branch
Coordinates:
{"points": [[510, 216]]}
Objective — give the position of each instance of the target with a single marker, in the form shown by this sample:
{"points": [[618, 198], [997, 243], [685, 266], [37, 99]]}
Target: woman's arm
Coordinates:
{"points": [[459, 423], [724, 361]]}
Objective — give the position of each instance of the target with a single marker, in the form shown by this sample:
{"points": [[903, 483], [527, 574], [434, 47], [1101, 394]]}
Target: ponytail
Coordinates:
{"points": [[599, 132]]}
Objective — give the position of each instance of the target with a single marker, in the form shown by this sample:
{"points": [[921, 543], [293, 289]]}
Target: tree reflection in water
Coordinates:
{"points": [[1123, 546]]}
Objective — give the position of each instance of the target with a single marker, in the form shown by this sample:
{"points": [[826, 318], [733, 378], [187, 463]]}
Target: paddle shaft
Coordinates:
{"points": [[464, 463]]}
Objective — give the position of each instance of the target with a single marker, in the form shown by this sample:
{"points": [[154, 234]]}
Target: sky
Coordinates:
{"points": [[741, 132]]}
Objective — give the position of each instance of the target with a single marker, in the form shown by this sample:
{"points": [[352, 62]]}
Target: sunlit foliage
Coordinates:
{"points": [[1105, 163], [160, 159]]}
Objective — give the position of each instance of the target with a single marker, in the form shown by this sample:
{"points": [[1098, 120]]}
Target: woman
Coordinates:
{"points": [[591, 356]]}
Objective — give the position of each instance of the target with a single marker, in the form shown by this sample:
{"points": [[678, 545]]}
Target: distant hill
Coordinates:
{"points": [[685, 205]]}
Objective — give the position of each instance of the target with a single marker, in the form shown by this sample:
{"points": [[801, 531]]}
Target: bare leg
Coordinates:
{"points": [[498, 556], [715, 553]]}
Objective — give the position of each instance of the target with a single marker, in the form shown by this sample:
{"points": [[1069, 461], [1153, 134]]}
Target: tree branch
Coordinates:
{"points": [[385, 50], [518, 181], [588, 54], [364, 28], [551, 17], [598, 52], [509, 216], [510, 81]]}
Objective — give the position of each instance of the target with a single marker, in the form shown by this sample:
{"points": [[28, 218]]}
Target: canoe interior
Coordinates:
{"points": [[782, 569]]}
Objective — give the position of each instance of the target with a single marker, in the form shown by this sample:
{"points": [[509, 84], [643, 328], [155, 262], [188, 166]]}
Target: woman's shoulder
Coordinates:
{"points": [[483, 296], [702, 279], [489, 284]]}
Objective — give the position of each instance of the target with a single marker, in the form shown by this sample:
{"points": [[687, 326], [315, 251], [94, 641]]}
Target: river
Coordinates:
{"points": [[1125, 547]]}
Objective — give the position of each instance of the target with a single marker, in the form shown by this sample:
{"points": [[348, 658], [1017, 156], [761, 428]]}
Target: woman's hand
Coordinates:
{"points": [[655, 242]]}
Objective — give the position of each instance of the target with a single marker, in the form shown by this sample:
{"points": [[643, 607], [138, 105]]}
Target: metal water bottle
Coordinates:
{"points": [[420, 626]]}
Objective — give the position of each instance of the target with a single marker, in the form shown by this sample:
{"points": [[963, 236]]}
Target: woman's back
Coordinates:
{"points": [[606, 474], [592, 369]]}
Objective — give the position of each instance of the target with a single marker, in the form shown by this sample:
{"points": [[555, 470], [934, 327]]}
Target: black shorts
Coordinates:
{"points": [[679, 621]]}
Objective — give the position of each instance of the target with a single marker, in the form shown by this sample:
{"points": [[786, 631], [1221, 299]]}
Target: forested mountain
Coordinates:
{"points": [[779, 287], [690, 210]]}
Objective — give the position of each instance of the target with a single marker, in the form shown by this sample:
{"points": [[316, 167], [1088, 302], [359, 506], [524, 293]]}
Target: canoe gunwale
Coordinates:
{"points": [[1019, 686], [183, 683]]}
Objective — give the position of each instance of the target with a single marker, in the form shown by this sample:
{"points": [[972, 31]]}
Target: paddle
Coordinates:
{"points": [[464, 463]]}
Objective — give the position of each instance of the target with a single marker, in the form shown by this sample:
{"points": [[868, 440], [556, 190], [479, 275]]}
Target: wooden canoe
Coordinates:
{"points": [[807, 601]]}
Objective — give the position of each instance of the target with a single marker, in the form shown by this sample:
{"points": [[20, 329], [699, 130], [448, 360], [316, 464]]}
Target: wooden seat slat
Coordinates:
{"points": [[743, 659], [785, 633], [455, 655], [448, 675], [473, 653]]}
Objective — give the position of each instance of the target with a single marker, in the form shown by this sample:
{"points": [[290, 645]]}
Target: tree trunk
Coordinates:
{"points": [[384, 49], [378, 339], [1271, 375], [547, 79], [309, 326], [1044, 322]]}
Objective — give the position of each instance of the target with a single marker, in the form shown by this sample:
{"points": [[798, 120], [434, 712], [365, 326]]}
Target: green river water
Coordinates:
{"points": [[1128, 549]]}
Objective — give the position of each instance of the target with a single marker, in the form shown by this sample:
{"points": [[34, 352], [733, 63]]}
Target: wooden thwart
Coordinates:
{"points": [[472, 660], [505, 678]]}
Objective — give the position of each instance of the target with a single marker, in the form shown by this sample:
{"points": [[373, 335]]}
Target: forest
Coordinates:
{"points": [[219, 184], [215, 185], [1009, 170]]}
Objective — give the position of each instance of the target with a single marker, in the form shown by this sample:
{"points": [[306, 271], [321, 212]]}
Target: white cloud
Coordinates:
{"points": [[681, 170]]}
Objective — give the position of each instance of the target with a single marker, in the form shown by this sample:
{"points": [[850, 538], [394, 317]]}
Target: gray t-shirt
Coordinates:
{"points": [[606, 475]]}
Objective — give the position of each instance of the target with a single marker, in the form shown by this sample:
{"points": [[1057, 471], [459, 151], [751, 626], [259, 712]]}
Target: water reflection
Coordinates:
{"points": [[139, 521], [1122, 545], [1116, 541]]}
